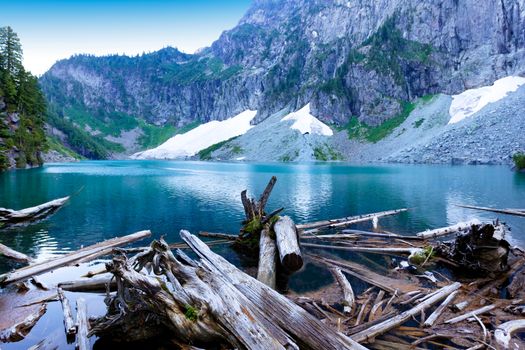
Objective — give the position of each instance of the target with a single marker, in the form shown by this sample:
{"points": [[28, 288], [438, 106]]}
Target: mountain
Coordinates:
{"points": [[365, 63]]}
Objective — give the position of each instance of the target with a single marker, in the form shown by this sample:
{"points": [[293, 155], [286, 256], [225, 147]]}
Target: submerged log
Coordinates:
{"points": [[444, 231], [10, 217], [288, 244], [308, 332], [348, 292], [90, 252], [82, 325], [13, 254], [348, 220], [69, 324], [89, 285], [267, 270], [517, 212], [383, 327]]}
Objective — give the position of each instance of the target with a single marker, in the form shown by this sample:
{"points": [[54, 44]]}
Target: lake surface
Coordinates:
{"points": [[115, 198]]}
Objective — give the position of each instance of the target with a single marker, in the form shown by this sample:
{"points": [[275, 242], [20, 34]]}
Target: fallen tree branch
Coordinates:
{"points": [[348, 292], [516, 212], [470, 314], [503, 332]]}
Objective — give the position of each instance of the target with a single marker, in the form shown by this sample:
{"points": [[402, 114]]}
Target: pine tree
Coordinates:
{"points": [[10, 51]]}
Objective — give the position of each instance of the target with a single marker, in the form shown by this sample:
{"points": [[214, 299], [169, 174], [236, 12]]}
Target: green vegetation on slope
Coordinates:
{"points": [[199, 70], [154, 135], [358, 130], [519, 160], [206, 153], [325, 153], [22, 106]]}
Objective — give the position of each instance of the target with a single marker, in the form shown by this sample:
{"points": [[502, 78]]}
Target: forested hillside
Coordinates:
{"points": [[22, 108]]}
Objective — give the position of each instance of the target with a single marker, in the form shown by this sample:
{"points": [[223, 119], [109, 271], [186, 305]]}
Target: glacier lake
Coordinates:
{"points": [[115, 198]]}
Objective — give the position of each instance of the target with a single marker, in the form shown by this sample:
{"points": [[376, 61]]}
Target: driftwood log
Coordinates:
{"points": [[13, 254], [267, 269], [84, 254], [10, 217], [82, 325], [69, 324], [444, 231], [287, 244]]}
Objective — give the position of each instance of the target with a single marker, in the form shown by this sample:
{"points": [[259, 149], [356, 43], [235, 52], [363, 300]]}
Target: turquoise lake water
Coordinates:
{"points": [[115, 198]]}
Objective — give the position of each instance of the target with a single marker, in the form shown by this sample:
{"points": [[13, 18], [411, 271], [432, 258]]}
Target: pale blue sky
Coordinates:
{"points": [[56, 29]]}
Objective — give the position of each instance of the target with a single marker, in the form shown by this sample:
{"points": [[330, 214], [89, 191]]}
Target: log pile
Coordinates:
{"points": [[439, 289]]}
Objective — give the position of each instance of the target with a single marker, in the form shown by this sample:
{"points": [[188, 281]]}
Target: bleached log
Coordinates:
{"points": [[383, 327], [444, 231], [266, 272], [218, 235], [349, 220], [308, 331], [348, 292], [476, 312], [503, 332], [89, 285], [82, 325], [13, 254], [69, 324], [92, 252], [429, 322], [10, 217], [361, 313], [517, 212], [287, 244], [395, 251], [198, 305]]}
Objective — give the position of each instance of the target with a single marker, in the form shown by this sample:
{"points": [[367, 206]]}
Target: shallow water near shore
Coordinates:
{"points": [[115, 198]]}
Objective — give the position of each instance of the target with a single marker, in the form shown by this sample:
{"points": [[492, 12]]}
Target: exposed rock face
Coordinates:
{"points": [[347, 58]]}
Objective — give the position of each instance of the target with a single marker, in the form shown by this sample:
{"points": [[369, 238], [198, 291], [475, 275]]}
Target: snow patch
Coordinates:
{"points": [[307, 123], [203, 136], [473, 100]]}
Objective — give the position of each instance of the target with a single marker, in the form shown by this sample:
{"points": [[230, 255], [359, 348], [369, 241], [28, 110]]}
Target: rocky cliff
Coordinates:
{"points": [[363, 59]]}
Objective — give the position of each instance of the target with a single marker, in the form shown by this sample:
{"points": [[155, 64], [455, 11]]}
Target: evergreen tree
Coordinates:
{"points": [[10, 51]]}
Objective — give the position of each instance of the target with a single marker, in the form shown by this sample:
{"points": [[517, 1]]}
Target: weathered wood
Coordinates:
{"points": [[503, 333], [386, 283], [476, 312], [287, 244], [10, 217], [82, 325], [89, 285], [348, 220], [516, 212], [69, 324], [267, 270], [348, 292], [198, 305], [248, 209], [218, 235], [383, 327], [20, 311], [358, 233], [13, 254], [394, 251], [265, 195], [429, 322], [309, 332], [92, 252], [444, 231]]}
